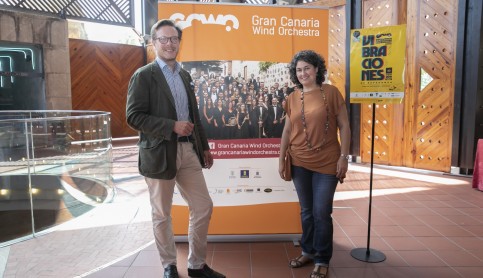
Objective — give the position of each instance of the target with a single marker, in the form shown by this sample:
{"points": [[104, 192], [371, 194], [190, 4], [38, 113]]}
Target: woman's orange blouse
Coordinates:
{"points": [[325, 152]]}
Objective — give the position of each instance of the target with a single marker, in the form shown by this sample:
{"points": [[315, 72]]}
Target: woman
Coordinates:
{"points": [[230, 121], [229, 91], [314, 114], [253, 118], [243, 122], [284, 114], [218, 120], [226, 98], [244, 92], [266, 101], [248, 101], [208, 110], [238, 102]]}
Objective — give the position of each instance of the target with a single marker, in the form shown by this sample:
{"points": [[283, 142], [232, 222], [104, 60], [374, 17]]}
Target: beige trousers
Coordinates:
{"points": [[192, 186]]}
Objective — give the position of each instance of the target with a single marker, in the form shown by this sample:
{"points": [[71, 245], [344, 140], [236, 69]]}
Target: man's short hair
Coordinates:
{"points": [[165, 22]]}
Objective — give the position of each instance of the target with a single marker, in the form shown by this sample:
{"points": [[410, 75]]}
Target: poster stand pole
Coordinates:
{"points": [[367, 254]]}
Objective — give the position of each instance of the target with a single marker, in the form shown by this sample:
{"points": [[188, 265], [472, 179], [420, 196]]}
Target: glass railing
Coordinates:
{"points": [[54, 166]]}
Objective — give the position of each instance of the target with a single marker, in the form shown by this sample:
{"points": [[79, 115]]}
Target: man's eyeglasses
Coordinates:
{"points": [[164, 40]]}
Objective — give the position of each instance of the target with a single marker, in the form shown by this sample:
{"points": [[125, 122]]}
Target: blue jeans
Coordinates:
{"points": [[316, 195]]}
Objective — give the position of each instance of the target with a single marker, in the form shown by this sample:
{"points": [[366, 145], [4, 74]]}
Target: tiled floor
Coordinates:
{"points": [[436, 232], [426, 224]]}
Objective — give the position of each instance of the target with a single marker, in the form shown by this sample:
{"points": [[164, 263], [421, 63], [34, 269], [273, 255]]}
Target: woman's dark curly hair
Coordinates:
{"points": [[312, 58]]}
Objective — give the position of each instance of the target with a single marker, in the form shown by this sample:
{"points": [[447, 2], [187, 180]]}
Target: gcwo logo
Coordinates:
{"points": [[185, 22]]}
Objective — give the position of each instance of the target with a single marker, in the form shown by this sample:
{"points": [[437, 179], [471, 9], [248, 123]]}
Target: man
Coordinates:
{"points": [[274, 127], [229, 79], [261, 87], [239, 78], [278, 90], [221, 79], [289, 89], [202, 77], [272, 94], [173, 148], [217, 86], [265, 91], [253, 82], [261, 114], [198, 103], [220, 96]]}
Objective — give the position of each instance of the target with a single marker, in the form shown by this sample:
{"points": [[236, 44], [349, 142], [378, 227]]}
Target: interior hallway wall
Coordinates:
{"points": [[51, 34]]}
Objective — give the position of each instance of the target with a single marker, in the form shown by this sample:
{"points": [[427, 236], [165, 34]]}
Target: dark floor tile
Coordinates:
{"points": [[477, 253], [359, 230], [475, 230], [453, 231], [267, 246], [393, 259], [343, 243], [360, 272], [404, 243], [407, 219], [234, 272], [271, 272], [468, 243], [421, 230], [464, 220], [304, 272], [231, 259], [342, 259], [435, 272], [469, 272], [438, 243], [394, 272], [231, 246], [387, 231], [269, 259], [350, 220], [421, 258], [378, 243], [459, 258]]}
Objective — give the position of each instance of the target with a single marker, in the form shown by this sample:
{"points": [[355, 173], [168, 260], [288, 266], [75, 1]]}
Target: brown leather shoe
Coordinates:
{"points": [[171, 271], [205, 272]]}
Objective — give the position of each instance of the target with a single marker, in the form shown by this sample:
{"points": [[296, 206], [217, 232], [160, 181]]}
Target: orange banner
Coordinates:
{"points": [[280, 218], [259, 203], [244, 32]]}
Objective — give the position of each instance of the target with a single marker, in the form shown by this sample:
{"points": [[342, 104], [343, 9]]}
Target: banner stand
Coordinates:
{"points": [[295, 238], [367, 254]]}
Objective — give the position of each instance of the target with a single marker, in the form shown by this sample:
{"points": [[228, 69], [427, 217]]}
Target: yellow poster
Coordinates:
{"points": [[377, 64]]}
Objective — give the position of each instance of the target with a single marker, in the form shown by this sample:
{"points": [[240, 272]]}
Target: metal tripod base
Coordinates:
{"points": [[368, 255]]}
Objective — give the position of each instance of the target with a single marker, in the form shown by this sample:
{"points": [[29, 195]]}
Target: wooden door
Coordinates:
{"points": [[430, 84], [416, 133], [388, 132], [100, 74]]}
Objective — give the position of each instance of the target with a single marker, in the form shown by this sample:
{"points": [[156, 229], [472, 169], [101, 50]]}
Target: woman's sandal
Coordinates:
{"points": [[320, 272], [299, 261]]}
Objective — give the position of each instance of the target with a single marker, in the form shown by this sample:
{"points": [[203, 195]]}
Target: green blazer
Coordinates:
{"points": [[150, 109]]}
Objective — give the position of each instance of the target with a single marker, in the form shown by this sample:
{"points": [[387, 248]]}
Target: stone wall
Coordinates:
{"points": [[52, 34]]}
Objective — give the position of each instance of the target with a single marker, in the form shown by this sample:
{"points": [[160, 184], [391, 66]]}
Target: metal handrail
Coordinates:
{"points": [[71, 149]]}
